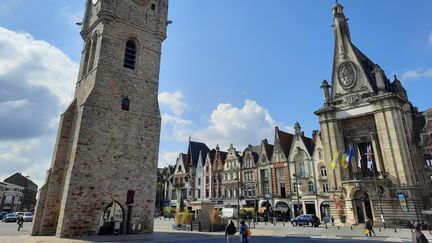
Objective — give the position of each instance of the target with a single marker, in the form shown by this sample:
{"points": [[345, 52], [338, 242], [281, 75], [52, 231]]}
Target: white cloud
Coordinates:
{"points": [[240, 126], [174, 101], [29, 156], [417, 74], [167, 158], [175, 128], [8, 106], [36, 64], [227, 124], [37, 81]]}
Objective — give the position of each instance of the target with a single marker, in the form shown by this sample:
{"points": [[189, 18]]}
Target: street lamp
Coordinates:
{"points": [[372, 134]]}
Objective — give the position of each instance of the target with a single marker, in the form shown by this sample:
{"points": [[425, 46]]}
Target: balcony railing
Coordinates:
{"points": [[362, 176]]}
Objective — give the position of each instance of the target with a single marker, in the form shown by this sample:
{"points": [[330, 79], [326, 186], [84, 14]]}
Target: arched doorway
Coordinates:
{"points": [[325, 211], [362, 206], [112, 220], [282, 210]]}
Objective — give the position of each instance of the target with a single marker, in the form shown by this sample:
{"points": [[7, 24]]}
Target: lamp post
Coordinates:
{"points": [[376, 183]]}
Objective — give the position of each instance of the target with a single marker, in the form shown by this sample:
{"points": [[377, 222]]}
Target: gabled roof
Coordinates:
{"points": [[309, 143], [193, 153], [268, 148], [285, 141]]}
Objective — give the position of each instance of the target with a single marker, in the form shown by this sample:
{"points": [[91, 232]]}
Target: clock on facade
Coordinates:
{"points": [[94, 2]]}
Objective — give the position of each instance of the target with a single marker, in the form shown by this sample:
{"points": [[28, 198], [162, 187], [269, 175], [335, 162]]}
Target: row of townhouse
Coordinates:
{"points": [[288, 177]]}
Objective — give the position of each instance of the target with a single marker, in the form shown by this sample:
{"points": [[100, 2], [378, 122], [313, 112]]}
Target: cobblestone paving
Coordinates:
{"points": [[260, 233]]}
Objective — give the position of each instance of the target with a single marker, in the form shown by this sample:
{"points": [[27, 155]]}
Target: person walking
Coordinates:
{"points": [[20, 222], [230, 231], [369, 226], [244, 232], [417, 235]]}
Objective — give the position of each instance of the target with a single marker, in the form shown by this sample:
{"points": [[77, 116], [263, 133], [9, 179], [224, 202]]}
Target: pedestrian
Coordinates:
{"points": [[230, 231], [20, 222], [244, 232], [417, 235], [369, 226]]}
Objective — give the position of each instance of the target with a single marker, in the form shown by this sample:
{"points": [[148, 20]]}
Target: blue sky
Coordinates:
{"points": [[230, 71]]}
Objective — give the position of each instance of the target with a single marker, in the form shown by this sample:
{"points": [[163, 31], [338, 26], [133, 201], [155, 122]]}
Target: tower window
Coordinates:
{"points": [[130, 55], [153, 7], [125, 104]]}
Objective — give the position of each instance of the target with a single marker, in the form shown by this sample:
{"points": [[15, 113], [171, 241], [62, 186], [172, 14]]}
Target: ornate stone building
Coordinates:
{"points": [[249, 176], [366, 113], [103, 175], [216, 179], [231, 177], [280, 173]]}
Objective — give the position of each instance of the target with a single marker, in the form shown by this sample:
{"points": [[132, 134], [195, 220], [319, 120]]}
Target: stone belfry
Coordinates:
{"points": [[370, 116], [103, 173]]}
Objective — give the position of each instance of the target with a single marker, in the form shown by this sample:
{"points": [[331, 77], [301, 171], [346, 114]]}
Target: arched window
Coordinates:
{"points": [[86, 58], [323, 171], [125, 104], [91, 60], [130, 55]]}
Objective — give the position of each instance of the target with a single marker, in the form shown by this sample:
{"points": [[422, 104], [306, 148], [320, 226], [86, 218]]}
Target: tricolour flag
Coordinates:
{"points": [[369, 156], [359, 159], [335, 159], [350, 155]]}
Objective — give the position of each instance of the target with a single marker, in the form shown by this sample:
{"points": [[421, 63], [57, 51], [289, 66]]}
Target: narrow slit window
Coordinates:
{"points": [[130, 55], [125, 104]]}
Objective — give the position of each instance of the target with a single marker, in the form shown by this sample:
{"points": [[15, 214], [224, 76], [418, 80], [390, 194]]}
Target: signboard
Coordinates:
{"points": [[403, 203]]}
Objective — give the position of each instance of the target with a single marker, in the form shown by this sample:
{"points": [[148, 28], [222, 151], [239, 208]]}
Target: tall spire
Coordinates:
{"points": [[341, 29]]}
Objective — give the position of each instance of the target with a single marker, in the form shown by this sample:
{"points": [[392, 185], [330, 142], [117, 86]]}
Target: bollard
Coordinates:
{"points": [[326, 226], [283, 224], [351, 228], [265, 222], [379, 229], [395, 230], [411, 230], [338, 227]]}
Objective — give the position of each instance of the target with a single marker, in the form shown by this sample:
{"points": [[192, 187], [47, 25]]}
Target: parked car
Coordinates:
{"points": [[306, 219], [10, 217], [2, 215], [28, 217]]}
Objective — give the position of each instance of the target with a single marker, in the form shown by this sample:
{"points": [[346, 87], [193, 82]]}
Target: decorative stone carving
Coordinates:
{"points": [[141, 2], [347, 75], [337, 95], [352, 99]]}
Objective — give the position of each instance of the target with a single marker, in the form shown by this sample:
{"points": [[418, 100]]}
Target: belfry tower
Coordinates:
{"points": [[370, 133], [103, 173]]}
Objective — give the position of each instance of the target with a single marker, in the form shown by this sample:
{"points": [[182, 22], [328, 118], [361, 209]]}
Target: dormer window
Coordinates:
{"points": [[130, 55]]}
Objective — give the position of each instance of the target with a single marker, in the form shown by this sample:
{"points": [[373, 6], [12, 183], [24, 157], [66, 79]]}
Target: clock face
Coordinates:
{"points": [[95, 1]]}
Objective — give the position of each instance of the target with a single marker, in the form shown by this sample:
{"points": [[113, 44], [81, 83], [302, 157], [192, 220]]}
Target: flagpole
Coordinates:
{"points": [[376, 187]]}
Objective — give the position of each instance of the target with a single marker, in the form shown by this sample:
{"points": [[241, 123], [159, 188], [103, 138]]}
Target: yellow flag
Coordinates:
{"points": [[335, 159]]}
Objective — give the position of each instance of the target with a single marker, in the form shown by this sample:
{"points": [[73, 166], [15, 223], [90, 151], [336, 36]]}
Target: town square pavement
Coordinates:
{"points": [[260, 233]]}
